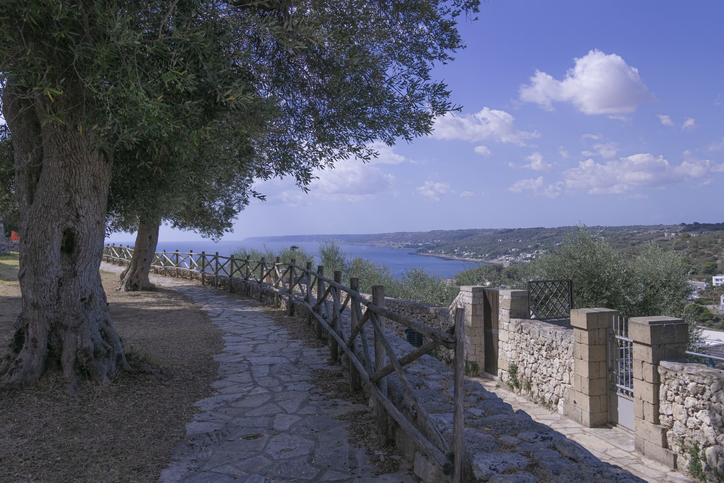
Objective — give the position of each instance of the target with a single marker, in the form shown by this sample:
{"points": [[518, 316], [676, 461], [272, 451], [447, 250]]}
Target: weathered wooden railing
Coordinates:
{"points": [[337, 309]]}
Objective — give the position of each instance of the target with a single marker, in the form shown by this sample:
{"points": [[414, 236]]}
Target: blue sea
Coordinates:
{"points": [[397, 260]]}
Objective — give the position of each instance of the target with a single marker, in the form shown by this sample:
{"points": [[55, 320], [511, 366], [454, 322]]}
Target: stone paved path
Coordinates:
{"points": [[612, 445], [266, 422]]}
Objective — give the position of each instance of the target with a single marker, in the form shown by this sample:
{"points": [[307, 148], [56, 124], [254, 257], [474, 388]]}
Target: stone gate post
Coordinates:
{"points": [[587, 402], [654, 339], [471, 298]]}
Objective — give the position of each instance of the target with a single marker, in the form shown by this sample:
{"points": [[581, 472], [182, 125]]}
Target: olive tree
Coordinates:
{"points": [[85, 82], [655, 282]]}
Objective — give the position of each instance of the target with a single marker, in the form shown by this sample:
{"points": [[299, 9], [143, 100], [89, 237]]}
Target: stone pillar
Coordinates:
{"points": [[513, 304], [471, 297], [2, 231], [587, 402], [654, 339]]}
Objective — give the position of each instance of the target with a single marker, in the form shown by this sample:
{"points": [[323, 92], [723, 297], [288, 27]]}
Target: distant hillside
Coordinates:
{"points": [[701, 243]]}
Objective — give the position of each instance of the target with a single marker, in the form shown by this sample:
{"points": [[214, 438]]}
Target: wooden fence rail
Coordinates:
{"points": [[337, 310]]}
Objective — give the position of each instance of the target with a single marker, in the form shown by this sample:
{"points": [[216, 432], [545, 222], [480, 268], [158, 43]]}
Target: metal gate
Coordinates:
{"points": [[620, 374]]}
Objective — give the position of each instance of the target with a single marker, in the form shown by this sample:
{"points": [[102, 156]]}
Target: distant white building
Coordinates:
{"points": [[717, 280], [721, 305]]}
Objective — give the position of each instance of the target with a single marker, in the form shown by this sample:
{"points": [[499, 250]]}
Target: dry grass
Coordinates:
{"points": [[124, 431]]}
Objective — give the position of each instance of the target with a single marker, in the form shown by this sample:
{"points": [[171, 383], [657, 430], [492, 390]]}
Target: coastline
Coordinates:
{"points": [[457, 259]]}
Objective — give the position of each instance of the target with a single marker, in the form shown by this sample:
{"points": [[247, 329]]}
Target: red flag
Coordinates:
{"points": [[14, 236]]}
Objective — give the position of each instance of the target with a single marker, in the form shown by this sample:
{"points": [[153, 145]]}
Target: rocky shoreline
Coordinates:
{"points": [[457, 259]]}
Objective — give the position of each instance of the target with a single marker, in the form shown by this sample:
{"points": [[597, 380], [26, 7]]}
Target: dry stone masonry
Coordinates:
{"points": [[542, 354], [691, 410], [536, 357]]}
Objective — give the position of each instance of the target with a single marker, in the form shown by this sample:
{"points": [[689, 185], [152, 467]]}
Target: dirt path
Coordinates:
{"points": [[124, 431]]}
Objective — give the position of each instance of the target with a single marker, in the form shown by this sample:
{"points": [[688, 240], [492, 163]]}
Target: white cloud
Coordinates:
{"points": [[434, 190], [562, 151], [595, 137], [486, 124], [537, 163], [537, 186], [637, 171], [717, 146], [386, 155], [665, 120], [597, 84], [483, 151], [689, 124], [351, 180], [467, 194], [607, 150]]}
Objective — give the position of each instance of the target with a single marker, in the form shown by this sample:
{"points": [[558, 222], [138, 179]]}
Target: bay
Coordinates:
{"points": [[397, 260]]}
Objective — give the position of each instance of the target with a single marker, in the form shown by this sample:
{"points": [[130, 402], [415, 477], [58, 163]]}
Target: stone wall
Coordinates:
{"points": [[691, 410], [542, 354]]}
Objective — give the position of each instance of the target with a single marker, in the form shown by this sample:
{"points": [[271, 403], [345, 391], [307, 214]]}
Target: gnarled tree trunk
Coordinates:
{"points": [[62, 181], [135, 276]]}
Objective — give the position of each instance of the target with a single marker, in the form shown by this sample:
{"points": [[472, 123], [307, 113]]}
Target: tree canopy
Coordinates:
{"points": [[91, 90], [655, 282]]}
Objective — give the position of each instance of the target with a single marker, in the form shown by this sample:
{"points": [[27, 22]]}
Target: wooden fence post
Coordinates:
{"points": [[262, 269], [308, 296], [216, 270], [247, 286], [320, 297], [383, 425], [355, 382], [231, 273], [277, 298], [203, 266], [191, 260], [290, 303], [333, 346], [459, 396]]}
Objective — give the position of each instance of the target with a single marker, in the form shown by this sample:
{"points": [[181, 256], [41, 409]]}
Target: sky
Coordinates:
{"points": [[603, 113]]}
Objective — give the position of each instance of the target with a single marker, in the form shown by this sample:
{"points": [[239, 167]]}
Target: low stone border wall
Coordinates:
{"points": [[539, 360], [692, 413]]}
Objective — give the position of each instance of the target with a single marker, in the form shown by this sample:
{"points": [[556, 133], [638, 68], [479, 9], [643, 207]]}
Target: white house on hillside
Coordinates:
{"points": [[717, 280]]}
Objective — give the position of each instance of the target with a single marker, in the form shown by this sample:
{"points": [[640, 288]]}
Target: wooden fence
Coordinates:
{"points": [[337, 309]]}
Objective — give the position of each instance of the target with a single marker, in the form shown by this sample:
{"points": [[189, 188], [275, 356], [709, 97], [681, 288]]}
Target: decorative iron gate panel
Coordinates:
{"points": [[620, 372], [550, 299]]}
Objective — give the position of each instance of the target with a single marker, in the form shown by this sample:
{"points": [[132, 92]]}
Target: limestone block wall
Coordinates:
{"points": [[471, 298], [691, 412], [543, 356], [512, 304]]}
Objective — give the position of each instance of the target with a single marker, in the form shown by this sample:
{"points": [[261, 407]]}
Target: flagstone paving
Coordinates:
{"points": [[613, 445], [267, 421]]}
